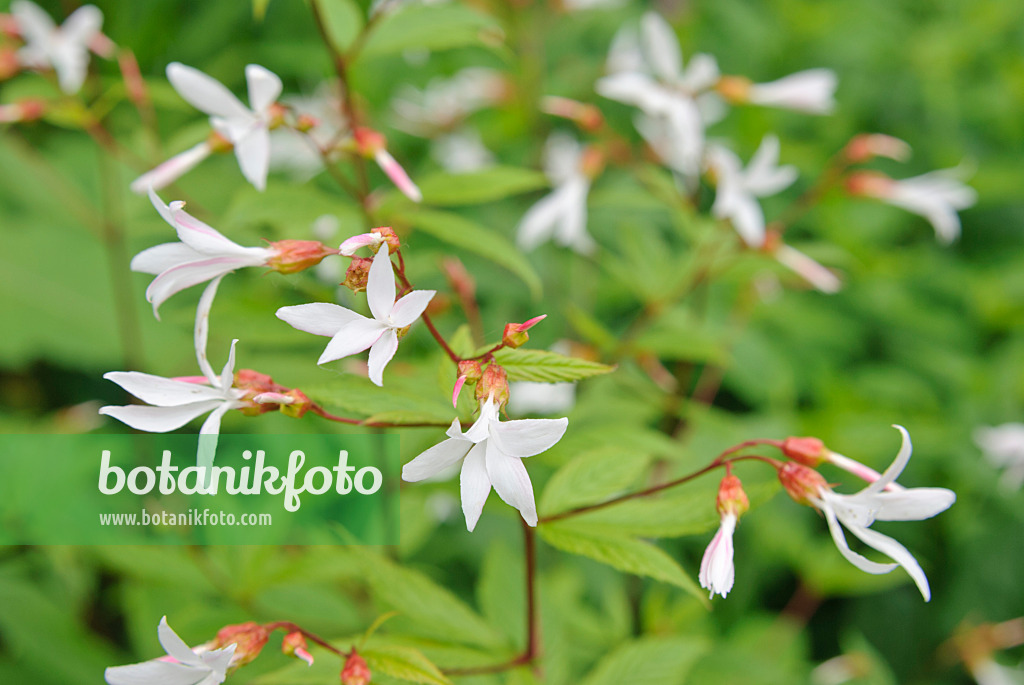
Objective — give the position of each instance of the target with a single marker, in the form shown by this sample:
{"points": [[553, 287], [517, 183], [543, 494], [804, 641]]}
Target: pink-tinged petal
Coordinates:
{"points": [[349, 247], [661, 47], [526, 437], [227, 375], [253, 154], [202, 330], [380, 285], [160, 419], [397, 174], [183, 276], [352, 338], [511, 481], [203, 237], [170, 171], [915, 504], [475, 484], [381, 353], [898, 553], [162, 392], [162, 257], [174, 645], [717, 571], [304, 655], [436, 459], [863, 563], [410, 307], [530, 323], [459, 382], [318, 318], [264, 87], [205, 93]]}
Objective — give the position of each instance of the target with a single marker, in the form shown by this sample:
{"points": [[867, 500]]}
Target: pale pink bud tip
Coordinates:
{"points": [[304, 655], [273, 398], [527, 325], [458, 388], [199, 380], [349, 247], [397, 175]]}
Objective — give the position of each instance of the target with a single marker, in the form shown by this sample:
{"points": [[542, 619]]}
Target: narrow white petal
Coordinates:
{"points": [[159, 391], [915, 504], [436, 459], [527, 437], [202, 329], [353, 337], [71, 62], [511, 481], [253, 154], [896, 467], [474, 484], [380, 285], [381, 353], [318, 318], [205, 93], [160, 419], [264, 87], [35, 25], [81, 25], [898, 553], [209, 433], [160, 258], [174, 168], [183, 276], [174, 645], [538, 224], [629, 88], [863, 563], [661, 47], [227, 375], [155, 672], [409, 308], [717, 572], [573, 230]]}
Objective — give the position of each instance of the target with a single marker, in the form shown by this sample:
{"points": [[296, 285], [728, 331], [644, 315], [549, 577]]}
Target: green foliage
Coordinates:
{"points": [[432, 27], [404, 663], [649, 661], [523, 364], [486, 185]]}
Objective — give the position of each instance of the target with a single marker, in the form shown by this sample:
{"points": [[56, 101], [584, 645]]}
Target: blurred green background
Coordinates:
{"points": [[927, 336]]}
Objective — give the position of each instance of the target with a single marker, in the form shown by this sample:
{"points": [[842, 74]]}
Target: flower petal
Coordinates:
{"points": [[897, 465], [915, 504], [183, 276], [155, 671], [160, 419], [202, 329], [174, 168], [540, 220], [227, 375], [863, 563], [380, 285], [381, 353], [264, 87], [253, 153], [475, 484], [162, 392], [205, 93], [318, 318], [436, 459], [511, 481], [353, 337], [898, 553], [162, 257], [35, 25], [527, 437], [174, 645], [661, 47], [572, 232], [209, 433], [409, 308], [81, 25]]}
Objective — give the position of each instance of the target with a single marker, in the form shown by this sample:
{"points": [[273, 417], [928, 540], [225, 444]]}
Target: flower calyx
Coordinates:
{"points": [[293, 256]]}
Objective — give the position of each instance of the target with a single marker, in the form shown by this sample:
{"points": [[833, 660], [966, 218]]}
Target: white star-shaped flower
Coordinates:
{"points": [[248, 128], [561, 215], [350, 332], [203, 254], [492, 454], [1004, 447], [64, 49], [181, 666], [875, 503]]}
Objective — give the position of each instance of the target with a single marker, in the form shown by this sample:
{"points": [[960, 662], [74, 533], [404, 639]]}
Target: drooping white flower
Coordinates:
{"points": [[173, 402], [737, 188], [1004, 448], [936, 196], [181, 666], [203, 254], [874, 503], [491, 452], [65, 49], [350, 332], [809, 91], [561, 215], [717, 572], [247, 128], [647, 72]]}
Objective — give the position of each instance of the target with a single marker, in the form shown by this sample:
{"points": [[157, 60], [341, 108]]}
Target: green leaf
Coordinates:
{"points": [[547, 367], [342, 19], [259, 9], [487, 185], [469, 235], [408, 418], [620, 552], [593, 476], [649, 661], [404, 663], [433, 27]]}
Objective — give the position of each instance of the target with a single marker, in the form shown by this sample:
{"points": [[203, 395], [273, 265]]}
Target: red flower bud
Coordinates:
{"points": [[293, 256], [731, 497], [808, 451], [355, 672], [494, 384], [801, 482], [248, 638], [357, 275]]}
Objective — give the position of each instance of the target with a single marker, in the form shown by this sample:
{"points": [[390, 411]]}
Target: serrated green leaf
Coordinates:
{"points": [[592, 477], [404, 663], [431, 27], [620, 552], [488, 185], [547, 367], [469, 235], [343, 21], [649, 661]]}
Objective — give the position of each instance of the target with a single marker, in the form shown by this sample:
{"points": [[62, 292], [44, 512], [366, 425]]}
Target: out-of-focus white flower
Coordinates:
{"points": [[579, 5], [461, 151], [647, 72], [203, 254], [181, 666], [64, 49], [1004, 448], [491, 452], [807, 268], [528, 397], [444, 103], [717, 571], [988, 672], [737, 189], [299, 154], [936, 196], [876, 502], [562, 215], [173, 402], [350, 332], [247, 128], [809, 91]]}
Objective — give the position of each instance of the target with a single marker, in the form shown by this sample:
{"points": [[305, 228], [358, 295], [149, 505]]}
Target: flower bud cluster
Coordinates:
{"points": [[262, 395]]}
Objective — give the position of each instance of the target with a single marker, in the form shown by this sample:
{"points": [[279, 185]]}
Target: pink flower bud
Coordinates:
{"points": [[469, 371], [493, 384], [801, 482], [516, 335], [732, 499], [306, 123], [866, 146], [358, 274], [248, 638], [586, 116], [869, 184], [294, 644], [355, 672], [807, 451], [24, 111], [292, 256]]}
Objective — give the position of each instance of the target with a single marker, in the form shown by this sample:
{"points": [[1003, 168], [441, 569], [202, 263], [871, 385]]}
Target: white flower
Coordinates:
{"points": [[350, 332], [175, 402], [247, 128], [491, 453], [561, 215], [202, 254], [444, 103], [858, 511], [299, 154], [809, 91], [647, 72], [65, 49], [174, 168], [528, 397], [461, 152], [936, 196], [181, 666], [988, 672], [1004, 448], [737, 188], [717, 572]]}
